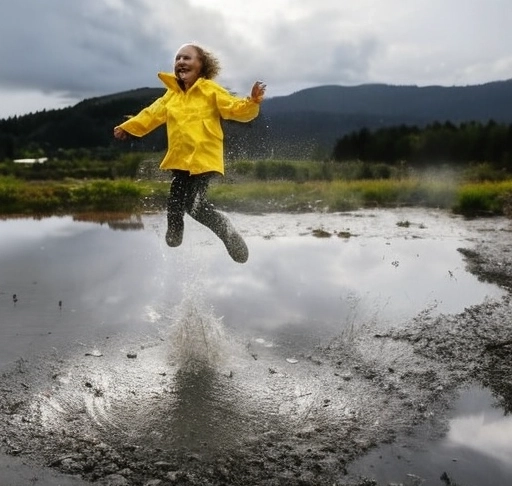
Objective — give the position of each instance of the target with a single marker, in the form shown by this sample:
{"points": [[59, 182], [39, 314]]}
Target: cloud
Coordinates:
{"points": [[77, 48], [489, 436], [68, 50]]}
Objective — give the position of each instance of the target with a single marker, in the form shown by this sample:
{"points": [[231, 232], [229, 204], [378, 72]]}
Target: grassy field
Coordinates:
{"points": [[472, 199], [273, 186]]}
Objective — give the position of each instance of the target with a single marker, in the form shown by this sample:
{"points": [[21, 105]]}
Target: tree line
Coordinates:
{"points": [[89, 126], [85, 132], [433, 144]]}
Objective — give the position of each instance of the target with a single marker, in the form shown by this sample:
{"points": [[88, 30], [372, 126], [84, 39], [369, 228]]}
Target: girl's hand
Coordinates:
{"points": [[258, 91], [120, 134]]}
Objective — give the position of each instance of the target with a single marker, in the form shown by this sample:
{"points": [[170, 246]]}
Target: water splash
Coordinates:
{"points": [[197, 336]]}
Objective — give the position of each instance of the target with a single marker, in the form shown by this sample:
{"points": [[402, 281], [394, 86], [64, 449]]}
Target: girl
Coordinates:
{"points": [[192, 109]]}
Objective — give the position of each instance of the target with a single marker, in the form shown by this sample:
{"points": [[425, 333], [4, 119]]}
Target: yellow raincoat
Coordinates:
{"points": [[194, 133]]}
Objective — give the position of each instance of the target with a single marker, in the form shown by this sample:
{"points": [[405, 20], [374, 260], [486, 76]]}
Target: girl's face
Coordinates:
{"points": [[187, 65]]}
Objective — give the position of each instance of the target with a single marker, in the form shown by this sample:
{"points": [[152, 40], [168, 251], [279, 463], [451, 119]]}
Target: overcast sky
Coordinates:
{"points": [[55, 53]]}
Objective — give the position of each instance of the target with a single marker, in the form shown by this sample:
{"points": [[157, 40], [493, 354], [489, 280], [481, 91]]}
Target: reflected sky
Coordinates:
{"points": [[481, 428], [112, 281], [476, 450]]}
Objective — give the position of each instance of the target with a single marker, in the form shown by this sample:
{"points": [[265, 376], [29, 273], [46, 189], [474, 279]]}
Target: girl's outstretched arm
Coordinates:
{"points": [[232, 107]]}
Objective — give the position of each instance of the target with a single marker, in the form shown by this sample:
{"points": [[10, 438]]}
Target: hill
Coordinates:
{"points": [[455, 103], [303, 124], [319, 116]]}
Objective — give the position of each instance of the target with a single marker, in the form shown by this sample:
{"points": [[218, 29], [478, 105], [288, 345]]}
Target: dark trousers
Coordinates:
{"points": [[188, 194]]}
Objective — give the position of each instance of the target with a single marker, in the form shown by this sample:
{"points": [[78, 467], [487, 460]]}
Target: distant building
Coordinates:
{"points": [[40, 160]]}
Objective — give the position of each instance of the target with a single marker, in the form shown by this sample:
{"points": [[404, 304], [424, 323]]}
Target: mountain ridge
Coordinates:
{"points": [[295, 125], [365, 98]]}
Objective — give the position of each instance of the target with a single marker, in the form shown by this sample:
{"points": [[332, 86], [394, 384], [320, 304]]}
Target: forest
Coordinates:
{"points": [[385, 123], [437, 143]]}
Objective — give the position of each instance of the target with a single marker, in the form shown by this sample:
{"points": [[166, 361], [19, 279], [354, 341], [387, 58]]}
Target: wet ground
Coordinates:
{"points": [[350, 349]]}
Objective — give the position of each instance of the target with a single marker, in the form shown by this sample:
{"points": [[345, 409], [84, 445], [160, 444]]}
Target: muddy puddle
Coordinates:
{"points": [[348, 350]]}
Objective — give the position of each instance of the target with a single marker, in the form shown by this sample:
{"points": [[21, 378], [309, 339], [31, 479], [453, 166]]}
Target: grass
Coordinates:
{"points": [[72, 196], [484, 197], [21, 197], [333, 196]]}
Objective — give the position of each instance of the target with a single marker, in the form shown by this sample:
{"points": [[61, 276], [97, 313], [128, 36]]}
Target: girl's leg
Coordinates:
{"points": [[203, 211], [176, 207]]}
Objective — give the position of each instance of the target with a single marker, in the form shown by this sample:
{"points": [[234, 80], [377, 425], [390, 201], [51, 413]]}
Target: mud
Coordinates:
{"points": [[119, 413]]}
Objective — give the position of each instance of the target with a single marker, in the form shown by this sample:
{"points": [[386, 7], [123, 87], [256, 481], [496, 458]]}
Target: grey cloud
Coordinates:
{"points": [[351, 61], [79, 48], [314, 51]]}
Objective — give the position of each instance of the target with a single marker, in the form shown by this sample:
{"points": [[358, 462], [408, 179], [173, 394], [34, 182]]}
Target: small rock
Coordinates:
{"points": [[193, 457], [131, 355], [115, 480], [176, 476], [69, 465], [223, 472], [111, 468], [416, 479], [321, 233]]}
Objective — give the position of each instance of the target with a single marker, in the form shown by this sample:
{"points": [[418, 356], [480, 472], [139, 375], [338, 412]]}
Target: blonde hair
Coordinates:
{"points": [[210, 65]]}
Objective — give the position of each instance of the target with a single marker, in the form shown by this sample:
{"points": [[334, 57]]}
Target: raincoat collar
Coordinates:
{"points": [[170, 80]]}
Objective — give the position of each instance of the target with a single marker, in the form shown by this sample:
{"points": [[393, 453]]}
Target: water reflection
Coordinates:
{"points": [[293, 283], [71, 279], [115, 221], [481, 428], [476, 450]]}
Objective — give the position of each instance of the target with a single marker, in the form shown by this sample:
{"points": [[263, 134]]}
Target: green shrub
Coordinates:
{"points": [[381, 171], [9, 195], [483, 172], [482, 198], [106, 195], [241, 167]]}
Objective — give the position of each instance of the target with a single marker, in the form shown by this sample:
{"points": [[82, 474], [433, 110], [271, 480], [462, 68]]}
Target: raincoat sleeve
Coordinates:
{"points": [[234, 108], [148, 119]]}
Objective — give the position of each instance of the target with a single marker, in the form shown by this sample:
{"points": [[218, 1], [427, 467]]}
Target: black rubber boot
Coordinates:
{"points": [[174, 234], [223, 228], [234, 243]]}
